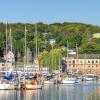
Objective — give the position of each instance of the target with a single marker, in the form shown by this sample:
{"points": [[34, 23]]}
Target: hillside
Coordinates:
{"points": [[75, 33]]}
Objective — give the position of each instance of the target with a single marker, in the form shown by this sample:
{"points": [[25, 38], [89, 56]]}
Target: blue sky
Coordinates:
{"points": [[50, 11]]}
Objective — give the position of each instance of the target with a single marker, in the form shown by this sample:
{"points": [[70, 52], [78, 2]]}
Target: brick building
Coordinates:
{"points": [[84, 63]]}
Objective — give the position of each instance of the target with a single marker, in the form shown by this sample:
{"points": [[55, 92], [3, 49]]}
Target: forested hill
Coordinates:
{"points": [[75, 33]]}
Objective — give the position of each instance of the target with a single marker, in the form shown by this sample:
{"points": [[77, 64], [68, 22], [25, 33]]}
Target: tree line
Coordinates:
{"points": [[79, 34]]}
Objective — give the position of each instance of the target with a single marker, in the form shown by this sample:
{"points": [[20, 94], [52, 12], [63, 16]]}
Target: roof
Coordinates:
{"points": [[86, 56]]}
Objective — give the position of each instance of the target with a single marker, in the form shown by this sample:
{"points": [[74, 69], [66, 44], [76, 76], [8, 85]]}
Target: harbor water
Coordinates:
{"points": [[87, 91]]}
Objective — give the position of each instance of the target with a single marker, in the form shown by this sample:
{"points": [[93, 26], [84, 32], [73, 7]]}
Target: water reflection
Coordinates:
{"points": [[55, 92]]}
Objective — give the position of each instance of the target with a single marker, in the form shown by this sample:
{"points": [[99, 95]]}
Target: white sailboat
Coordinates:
{"points": [[67, 79], [6, 84]]}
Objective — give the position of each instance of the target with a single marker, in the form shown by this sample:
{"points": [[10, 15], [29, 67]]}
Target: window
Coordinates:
{"points": [[73, 61], [65, 61], [92, 62], [88, 61], [73, 65], [96, 61]]}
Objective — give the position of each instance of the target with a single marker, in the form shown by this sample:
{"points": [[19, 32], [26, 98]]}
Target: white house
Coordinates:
{"points": [[96, 35]]}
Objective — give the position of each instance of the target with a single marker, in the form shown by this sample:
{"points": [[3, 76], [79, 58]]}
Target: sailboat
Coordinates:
{"points": [[67, 79], [29, 84], [6, 81]]}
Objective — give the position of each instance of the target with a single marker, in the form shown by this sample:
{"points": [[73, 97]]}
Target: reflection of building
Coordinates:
{"points": [[89, 63]]}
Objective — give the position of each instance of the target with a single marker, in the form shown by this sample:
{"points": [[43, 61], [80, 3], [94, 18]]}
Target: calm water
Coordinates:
{"points": [[55, 92]]}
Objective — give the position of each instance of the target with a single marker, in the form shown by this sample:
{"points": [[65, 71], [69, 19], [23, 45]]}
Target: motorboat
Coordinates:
{"points": [[89, 77]]}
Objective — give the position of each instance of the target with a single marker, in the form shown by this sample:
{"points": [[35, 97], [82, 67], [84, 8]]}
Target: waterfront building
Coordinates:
{"points": [[83, 63]]}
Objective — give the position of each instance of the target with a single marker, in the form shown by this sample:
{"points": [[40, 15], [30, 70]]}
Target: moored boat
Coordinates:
{"points": [[6, 86], [89, 77], [30, 85], [48, 82], [68, 80]]}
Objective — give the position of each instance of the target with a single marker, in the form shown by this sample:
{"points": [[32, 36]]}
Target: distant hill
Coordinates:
{"points": [[79, 34]]}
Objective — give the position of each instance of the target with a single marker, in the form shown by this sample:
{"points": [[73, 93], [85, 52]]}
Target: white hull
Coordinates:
{"points": [[89, 79], [48, 82], [68, 82], [7, 87]]}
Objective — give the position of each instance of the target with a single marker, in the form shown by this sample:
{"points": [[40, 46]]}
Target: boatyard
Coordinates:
{"points": [[49, 50], [33, 76]]}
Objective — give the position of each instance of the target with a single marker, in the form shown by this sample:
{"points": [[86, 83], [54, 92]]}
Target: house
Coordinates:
{"points": [[96, 35]]}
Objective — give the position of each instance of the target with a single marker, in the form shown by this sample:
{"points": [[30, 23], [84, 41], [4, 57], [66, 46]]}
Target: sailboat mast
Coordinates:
{"points": [[37, 48], [11, 39], [6, 49], [76, 51], [67, 49], [6, 39], [59, 62], [25, 45], [24, 54], [36, 41], [67, 57]]}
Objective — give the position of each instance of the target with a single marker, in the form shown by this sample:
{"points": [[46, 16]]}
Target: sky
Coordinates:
{"points": [[50, 11]]}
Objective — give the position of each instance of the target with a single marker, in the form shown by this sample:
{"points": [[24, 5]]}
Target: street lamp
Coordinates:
{"points": [[52, 42]]}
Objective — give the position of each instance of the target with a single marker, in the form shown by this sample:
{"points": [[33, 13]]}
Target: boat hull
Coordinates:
{"points": [[31, 87], [7, 87], [68, 82], [48, 82], [89, 79]]}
